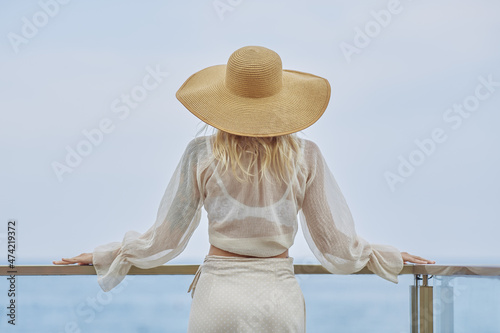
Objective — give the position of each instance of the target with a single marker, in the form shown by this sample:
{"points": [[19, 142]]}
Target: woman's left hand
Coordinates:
{"points": [[81, 259], [415, 259]]}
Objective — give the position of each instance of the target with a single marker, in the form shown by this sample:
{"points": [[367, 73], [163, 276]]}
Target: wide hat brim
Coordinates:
{"points": [[301, 101]]}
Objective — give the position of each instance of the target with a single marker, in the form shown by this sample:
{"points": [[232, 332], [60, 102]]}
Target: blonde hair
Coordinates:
{"points": [[277, 154]]}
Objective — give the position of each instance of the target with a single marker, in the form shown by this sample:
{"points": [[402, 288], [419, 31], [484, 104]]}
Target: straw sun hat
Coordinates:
{"points": [[253, 96]]}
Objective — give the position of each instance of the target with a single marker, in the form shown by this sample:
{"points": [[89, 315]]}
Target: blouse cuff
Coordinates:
{"points": [[386, 262], [110, 265]]}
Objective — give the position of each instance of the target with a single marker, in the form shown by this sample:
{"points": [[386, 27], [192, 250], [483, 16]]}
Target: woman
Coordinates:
{"points": [[254, 176]]}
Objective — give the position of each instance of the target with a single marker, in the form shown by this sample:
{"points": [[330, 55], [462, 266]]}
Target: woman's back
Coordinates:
{"points": [[257, 217]]}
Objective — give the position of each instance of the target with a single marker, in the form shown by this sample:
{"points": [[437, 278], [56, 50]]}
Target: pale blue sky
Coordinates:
{"points": [[65, 78]]}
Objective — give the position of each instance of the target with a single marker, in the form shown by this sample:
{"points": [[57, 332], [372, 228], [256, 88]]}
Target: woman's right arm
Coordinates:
{"points": [[177, 218], [81, 259]]}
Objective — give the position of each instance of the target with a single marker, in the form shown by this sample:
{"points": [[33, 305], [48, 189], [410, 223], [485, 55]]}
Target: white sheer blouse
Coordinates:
{"points": [[254, 219]]}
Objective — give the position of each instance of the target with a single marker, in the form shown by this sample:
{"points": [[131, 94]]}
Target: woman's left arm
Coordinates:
{"points": [[415, 259], [329, 229]]}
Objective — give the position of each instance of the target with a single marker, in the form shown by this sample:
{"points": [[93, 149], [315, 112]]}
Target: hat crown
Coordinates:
{"points": [[254, 71]]}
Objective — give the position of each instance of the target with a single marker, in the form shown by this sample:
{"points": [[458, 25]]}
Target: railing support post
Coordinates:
{"points": [[426, 306], [421, 306]]}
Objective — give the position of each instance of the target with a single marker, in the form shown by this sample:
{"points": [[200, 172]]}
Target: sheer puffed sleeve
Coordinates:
{"points": [[177, 218], [329, 228]]}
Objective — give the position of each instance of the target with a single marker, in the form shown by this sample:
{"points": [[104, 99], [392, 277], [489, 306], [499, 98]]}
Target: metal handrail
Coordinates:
{"points": [[160, 270], [421, 295], [443, 270]]}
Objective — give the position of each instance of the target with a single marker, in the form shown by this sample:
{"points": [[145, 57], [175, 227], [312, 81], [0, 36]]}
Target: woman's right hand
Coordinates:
{"points": [[81, 259], [415, 259]]}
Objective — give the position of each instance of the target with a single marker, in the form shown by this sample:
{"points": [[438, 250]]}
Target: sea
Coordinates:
{"points": [[160, 303]]}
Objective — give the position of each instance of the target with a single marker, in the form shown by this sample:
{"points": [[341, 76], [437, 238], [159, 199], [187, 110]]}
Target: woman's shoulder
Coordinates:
{"points": [[310, 147], [200, 149], [199, 143], [203, 145]]}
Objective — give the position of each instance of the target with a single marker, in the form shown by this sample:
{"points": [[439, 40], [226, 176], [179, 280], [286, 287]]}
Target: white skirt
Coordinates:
{"points": [[236, 294]]}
